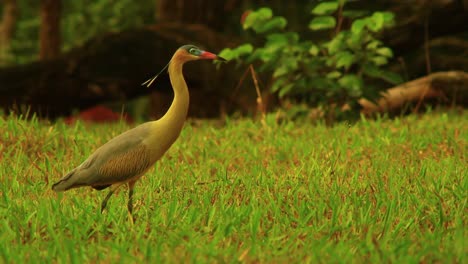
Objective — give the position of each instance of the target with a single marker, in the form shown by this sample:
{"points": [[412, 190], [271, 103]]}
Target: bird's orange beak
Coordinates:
{"points": [[210, 56]]}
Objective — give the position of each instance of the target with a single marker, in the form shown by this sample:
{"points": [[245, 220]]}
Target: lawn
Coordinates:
{"points": [[384, 190]]}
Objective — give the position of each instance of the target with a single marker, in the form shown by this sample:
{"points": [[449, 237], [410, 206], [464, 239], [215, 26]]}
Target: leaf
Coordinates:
{"points": [[358, 26], [372, 70], [344, 59], [285, 89], [386, 52], [227, 54], [374, 44], [282, 70], [325, 8], [278, 83], [322, 22], [274, 23], [292, 36], [257, 17], [355, 41], [314, 50], [377, 22], [352, 83], [259, 54], [276, 38], [244, 49], [391, 77], [279, 40], [236, 53], [389, 18], [264, 13], [286, 66], [334, 75], [336, 44], [379, 60], [249, 21]]}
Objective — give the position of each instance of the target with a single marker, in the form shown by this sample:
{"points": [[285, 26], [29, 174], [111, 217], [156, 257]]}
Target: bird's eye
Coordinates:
{"points": [[193, 51]]}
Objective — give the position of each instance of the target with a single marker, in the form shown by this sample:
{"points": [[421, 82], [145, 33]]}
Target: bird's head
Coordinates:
{"points": [[191, 52], [184, 54]]}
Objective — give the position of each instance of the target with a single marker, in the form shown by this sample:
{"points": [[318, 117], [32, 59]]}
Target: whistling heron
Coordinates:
{"points": [[125, 158]]}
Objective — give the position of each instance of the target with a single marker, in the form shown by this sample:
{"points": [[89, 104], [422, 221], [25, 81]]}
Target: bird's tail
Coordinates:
{"points": [[65, 183]]}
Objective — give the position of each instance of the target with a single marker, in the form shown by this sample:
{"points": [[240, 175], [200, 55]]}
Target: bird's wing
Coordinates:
{"points": [[122, 166], [120, 159]]}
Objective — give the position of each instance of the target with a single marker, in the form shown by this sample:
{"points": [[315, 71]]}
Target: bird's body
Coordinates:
{"points": [[119, 160], [125, 158]]}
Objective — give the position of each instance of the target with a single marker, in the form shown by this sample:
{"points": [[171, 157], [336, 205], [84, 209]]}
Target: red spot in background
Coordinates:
{"points": [[98, 114], [244, 16]]}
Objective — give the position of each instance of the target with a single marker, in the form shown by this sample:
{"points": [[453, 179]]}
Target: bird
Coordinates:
{"points": [[127, 157]]}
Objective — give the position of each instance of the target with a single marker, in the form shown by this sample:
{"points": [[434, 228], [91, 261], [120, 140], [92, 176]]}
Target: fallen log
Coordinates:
{"points": [[111, 68], [448, 87]]}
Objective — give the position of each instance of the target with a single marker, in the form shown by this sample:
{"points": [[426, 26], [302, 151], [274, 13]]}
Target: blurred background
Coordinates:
{"points": [[61, 58]]}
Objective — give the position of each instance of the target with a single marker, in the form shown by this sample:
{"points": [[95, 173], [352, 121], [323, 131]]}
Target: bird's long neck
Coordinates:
{"points": [[175, 117]]}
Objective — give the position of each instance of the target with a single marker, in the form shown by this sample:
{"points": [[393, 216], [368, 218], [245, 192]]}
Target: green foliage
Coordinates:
{"points": [[263, 21], [325, 8], [383, 191], [322, 22], [25, 42], [85, 19], [334, 70], [80, 20]]}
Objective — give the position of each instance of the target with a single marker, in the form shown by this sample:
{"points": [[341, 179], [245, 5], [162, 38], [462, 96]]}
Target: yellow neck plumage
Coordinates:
{"points": [[175, 117]]}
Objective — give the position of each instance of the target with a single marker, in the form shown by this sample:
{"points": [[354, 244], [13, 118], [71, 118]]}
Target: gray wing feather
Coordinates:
{"points": [[120, 159]]}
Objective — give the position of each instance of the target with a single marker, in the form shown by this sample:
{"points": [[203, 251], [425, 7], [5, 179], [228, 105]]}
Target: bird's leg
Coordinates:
{"points": [[112, 190], [104, 202], [131, 186]]}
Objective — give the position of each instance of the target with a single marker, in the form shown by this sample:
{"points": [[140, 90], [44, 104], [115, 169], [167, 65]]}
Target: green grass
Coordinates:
{"points": [[375, 191]]}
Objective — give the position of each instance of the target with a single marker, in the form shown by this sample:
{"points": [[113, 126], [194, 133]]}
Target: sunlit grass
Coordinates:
{"points": [[375, 191]]}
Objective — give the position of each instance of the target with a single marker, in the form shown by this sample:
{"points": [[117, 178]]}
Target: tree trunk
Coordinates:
{"points": [[50, 29], [7, 28]]}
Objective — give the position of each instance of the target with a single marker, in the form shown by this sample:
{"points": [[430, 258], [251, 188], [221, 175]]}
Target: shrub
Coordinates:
{"points": [[330, 72]]}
